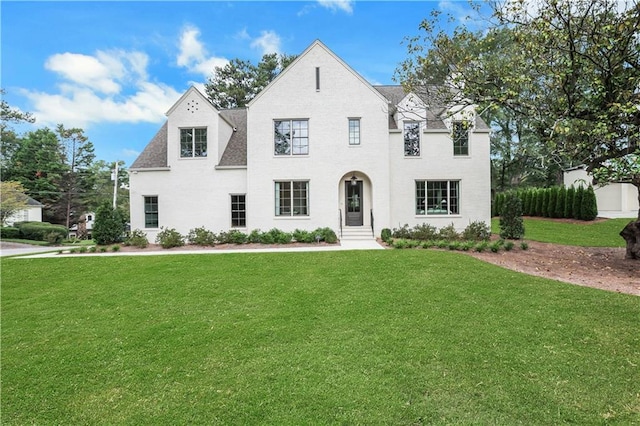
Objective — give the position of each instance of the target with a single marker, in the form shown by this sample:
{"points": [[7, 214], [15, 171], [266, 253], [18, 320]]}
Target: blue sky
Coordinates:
{"points": [[115, 68]]}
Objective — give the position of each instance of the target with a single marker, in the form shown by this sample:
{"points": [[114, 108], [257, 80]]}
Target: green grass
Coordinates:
{"points": [[588, 234], [363, 337]]}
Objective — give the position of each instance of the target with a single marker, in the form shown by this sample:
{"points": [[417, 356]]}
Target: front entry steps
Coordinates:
{"points": [[357, 233], [359, 238]]}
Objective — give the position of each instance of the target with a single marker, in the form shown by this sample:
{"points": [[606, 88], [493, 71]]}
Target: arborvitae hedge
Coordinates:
{"points": [[560, 202], [511, 225], [577, 202], [561, 196], [589, 205], [568, 204]]}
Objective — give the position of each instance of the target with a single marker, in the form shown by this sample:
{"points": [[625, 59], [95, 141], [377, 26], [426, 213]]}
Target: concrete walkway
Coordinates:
{"points": [[40, 252]]}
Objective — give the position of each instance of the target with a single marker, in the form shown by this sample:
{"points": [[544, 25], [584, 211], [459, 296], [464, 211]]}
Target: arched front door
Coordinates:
{"points": [[354, 203]]}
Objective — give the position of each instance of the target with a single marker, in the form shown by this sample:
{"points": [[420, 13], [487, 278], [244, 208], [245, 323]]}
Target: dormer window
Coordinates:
{"points": [[193, 142]]}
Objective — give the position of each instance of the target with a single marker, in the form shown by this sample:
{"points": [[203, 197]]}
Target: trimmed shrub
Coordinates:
{"points": [[41, 231], [477, 231], [424, 232], [9, 232], [108, 227], [138, 238], [403, 232], [254, 237], [449, 233], [201, 237], [169, 237], [385, 235], [327, 235], [589, 209], [545, 202], [237, 237], [303, 236], [539, 202], [115, 248], [511, 224]]}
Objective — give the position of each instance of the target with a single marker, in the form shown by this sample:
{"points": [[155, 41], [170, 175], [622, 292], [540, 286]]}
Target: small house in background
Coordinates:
{"points": [[32, 213], [84, 227], [617, 199]]}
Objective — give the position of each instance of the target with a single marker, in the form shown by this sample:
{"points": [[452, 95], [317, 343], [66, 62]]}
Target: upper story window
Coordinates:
{"points": [[291, 137], [354, 131], [460, 135], [411, 138], [193, 142]]}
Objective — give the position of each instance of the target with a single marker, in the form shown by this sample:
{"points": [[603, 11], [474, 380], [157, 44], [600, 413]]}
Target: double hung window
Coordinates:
{"points": [[291, 137], [440, 197], [151, 212], [292, 198], [193, 142], [238, 211]]}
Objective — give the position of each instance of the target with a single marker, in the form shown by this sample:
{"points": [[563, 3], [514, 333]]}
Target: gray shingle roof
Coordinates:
{"points": [[395, 94], [154, 154], [235, 154]]}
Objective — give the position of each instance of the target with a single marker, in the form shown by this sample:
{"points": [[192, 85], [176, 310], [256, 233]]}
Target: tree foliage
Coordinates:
{"points": [[236, 83], [12, 199], [568, 71]]}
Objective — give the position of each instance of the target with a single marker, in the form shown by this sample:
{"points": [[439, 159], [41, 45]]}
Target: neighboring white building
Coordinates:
{"points": [[32, 213], [84, 228], [614, 199], [318, 147]]}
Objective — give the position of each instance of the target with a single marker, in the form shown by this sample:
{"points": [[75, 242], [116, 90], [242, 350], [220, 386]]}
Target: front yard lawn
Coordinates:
{"points": [[355, 337], [602, 233]]}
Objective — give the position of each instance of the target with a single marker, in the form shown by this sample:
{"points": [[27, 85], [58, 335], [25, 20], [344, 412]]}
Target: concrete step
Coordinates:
{"points": [[359, 233]]}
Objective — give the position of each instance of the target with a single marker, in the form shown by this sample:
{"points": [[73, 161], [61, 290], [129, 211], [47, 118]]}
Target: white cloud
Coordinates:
{"points": [[338, 5], [194, 56], [131, 153], [110, 86], [268, 42]]}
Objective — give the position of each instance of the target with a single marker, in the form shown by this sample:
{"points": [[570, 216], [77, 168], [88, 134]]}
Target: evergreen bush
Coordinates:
{"points": [[9, 232], [539, 200], [449, 233], [568, 204], [577, 202], [108, 227], [551, 205], [511, 224], [477, 231], [385, 235], [424, 232], [561, 196], [138, 239], [201, 237], [169, 238], [589, 209]]}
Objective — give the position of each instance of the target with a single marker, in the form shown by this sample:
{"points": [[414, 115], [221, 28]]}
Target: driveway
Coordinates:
{"points": [[12, 249]]}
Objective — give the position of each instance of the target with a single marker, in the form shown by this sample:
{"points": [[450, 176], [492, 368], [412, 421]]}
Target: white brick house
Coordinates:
{"points": [[318, 147]]}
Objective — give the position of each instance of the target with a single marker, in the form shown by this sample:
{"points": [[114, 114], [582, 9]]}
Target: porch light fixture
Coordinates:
{"points": [[354, 179]]}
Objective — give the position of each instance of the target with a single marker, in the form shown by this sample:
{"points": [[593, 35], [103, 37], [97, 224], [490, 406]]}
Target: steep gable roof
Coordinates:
{"points": [[235, 154], [154, 154], [314, 45]]}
